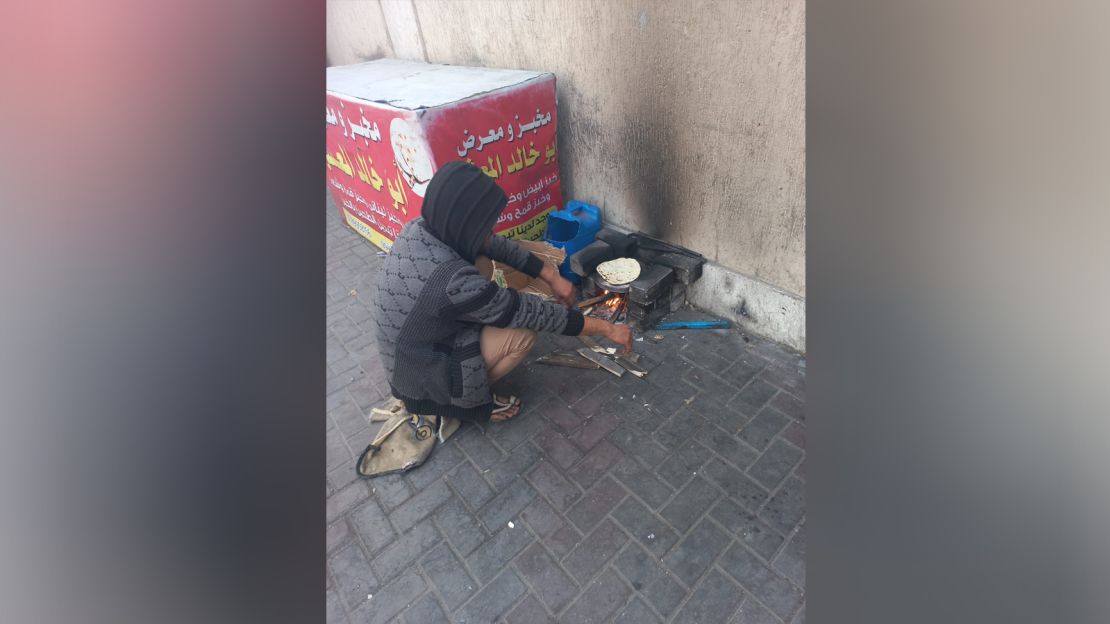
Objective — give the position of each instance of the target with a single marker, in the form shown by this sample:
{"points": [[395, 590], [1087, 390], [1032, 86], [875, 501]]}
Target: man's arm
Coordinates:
{"points": [[620, 334], [510, 252], [474, 299]]}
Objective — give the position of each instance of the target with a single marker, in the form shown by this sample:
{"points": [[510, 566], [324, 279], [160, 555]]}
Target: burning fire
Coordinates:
{"points": [[614, 302]]}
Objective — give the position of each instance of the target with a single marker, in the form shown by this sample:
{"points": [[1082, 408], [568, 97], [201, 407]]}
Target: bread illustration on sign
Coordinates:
{"points": [[411, 154]]}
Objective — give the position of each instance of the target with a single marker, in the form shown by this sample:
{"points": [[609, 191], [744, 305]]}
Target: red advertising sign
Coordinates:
{"points": [[381, 154]]}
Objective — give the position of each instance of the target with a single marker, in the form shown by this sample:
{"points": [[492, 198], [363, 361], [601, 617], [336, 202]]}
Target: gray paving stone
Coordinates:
{"points": [[390, 600], [553, 586], [711, 384], [354, 579], [677, 429], [335, 613], [517, 430], [649, 579], [443, 459], [773, 591], [342, 476], [405, 550], [641, 482], [791, 562], [663, 401], [591, 404], [557, 448], [784, 377], [529, 611], [507, 504], [636, 612], [795, 434], [736, 484], [636, 443], [390, 490], [343, 500], [787, 507], [563, 540], [790, 405], [371, 523], [543, 519], [565, 419], [460, 527], [338, 534], [754, 396], [335, 450], [599, 600], [491, 557], [478, 447], [775, 464], [364, 394], [515, 464], [494, 600], [573, 384], [596, 503], [751, 612], [594, 551], [595, 463], [426, 611], [594, 430], [714, 410], [670, 374], [469, 485], [748, 529], [447, 573], [690, 503], [639, 522], [348, 418], [744, 413], [727, 446], [549, 481], [420, 505], [742, 371], [522, 384], [763, 428], [696, 552], [714, 600], [683, 463]]}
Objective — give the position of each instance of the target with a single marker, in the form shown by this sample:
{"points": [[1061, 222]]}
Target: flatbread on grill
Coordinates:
{"points": [[619, 271]]}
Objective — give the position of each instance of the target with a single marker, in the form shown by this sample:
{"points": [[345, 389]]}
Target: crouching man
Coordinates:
{"points": [[446, 332]]}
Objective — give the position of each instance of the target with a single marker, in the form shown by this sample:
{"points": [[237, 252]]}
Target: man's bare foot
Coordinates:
{"points": [[504, 408]]}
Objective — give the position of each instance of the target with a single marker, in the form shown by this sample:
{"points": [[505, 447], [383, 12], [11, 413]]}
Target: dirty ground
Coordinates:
{"points": [[678, 497]]}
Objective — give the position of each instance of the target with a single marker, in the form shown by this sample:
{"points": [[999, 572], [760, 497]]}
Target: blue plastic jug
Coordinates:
{"points": [[571, 229]]}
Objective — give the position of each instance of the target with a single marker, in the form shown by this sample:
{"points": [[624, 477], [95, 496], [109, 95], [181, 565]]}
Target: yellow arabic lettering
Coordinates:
{"points": [[530, 159], [490, 169], [339, 161], [518, 163], [549, 153], [367, 173], [400, 198]]}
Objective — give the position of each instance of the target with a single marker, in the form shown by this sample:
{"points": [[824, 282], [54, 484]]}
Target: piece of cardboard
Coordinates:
{"points": [[391, 124], [520, 281]]}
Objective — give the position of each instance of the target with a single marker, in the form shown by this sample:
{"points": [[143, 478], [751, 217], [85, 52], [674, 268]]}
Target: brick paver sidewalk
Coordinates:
{"points": [[674, 498]]}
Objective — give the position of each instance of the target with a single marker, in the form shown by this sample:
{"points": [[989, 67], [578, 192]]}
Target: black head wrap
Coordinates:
{"points": [[461, 207]]}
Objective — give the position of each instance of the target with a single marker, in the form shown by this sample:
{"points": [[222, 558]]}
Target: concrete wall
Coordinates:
{"points": [[682, 119]]}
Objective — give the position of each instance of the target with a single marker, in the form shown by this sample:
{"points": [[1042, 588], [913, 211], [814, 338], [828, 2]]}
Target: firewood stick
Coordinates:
{"points": [[592, 300]]}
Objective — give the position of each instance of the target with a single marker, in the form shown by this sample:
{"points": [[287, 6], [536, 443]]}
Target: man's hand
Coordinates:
{"points": [[622, 335], [560, 287]]}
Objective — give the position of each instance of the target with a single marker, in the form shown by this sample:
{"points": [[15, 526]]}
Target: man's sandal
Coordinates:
{"points": [[503, 405]]}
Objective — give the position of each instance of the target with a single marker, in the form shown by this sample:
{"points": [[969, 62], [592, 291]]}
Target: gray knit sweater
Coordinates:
{"points": [[430, 305]]}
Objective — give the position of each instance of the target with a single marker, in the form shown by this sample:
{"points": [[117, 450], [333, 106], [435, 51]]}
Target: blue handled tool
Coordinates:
{"points": [[718, 324]]}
